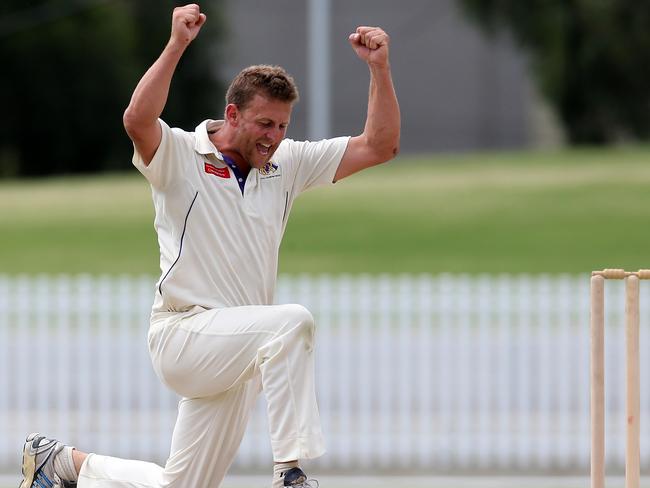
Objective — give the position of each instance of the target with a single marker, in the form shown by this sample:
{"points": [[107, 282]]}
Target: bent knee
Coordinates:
{"points": [[300, 314], [300, 319]]}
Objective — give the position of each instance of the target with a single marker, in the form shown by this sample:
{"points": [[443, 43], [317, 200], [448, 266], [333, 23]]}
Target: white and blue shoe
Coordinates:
{"points": [[38, 463], [296, 478]]}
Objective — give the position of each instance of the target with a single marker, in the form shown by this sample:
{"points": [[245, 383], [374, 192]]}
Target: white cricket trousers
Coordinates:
{"points": [[218, 361]]}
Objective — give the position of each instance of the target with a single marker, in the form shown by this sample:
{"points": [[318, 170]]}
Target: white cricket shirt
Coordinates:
{"points": [[219, 247]]}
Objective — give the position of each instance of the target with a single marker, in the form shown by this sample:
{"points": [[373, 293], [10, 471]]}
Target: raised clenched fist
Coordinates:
{"points": [[186, 23], [371, 45]]}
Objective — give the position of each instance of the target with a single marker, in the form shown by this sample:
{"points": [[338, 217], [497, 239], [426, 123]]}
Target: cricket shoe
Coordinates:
{"points": [[295, 478], [38, 463]]}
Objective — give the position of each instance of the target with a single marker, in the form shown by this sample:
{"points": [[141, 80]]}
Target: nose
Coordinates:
{"points": [[275, 134]]}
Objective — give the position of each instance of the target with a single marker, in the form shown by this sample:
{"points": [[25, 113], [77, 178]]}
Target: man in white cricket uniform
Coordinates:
{"points": [[222, 196]]}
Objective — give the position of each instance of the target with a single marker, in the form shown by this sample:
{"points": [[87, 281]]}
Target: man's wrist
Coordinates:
{"points": [[176, 46], [379, 67]]}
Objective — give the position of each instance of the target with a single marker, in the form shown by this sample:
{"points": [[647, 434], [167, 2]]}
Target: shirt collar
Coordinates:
{"points": [[203, 145], [202, 142]]}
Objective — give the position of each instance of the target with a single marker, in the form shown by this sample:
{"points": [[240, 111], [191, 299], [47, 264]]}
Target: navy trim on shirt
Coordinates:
{"points": [[241, 179], [180, 247]]}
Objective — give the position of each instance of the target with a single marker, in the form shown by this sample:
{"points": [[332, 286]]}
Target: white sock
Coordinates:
{"points": [[278, 470], [64, 465]]}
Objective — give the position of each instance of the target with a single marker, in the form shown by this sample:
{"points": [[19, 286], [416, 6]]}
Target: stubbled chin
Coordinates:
{"points": [[258, 159], [265, 158]]}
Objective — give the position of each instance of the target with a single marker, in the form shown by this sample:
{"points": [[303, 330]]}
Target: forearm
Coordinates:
{"points": [[382, 129], [150, 95], [379, 141]]}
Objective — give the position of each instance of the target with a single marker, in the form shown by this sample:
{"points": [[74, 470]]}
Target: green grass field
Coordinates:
{"points": [[567, 211]]}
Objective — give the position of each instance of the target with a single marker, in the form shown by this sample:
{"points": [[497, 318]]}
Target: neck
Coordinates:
{"points": [[239, 161], [225, 147]]}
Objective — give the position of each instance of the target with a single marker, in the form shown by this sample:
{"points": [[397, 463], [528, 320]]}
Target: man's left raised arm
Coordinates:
{"points": [[379, 141]]}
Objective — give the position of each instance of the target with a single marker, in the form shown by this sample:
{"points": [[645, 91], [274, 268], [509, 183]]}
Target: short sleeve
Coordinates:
{"points": [[168, 163], [315, 163]]}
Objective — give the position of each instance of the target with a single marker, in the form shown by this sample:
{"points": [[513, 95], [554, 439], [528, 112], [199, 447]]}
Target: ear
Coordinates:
{"points": [[232, 114]]}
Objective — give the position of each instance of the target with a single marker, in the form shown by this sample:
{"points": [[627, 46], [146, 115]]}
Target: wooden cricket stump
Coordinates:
{"points": [[632, 376]]}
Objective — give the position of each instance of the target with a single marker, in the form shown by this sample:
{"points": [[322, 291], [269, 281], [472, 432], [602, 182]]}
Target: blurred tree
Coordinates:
{"points": [[590, 59], [68, 70]]}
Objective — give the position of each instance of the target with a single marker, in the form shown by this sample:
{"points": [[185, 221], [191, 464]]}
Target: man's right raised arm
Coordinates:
{"points": [[150, 96]]}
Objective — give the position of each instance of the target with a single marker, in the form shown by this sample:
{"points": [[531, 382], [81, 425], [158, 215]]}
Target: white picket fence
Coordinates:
{"points": [[427, 374]]}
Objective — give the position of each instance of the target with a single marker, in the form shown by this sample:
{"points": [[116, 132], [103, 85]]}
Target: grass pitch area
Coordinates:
{"points": [[567, 211]]}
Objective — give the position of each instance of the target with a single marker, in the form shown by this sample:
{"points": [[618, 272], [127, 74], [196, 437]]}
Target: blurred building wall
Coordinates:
{"points": [[458, 90]]}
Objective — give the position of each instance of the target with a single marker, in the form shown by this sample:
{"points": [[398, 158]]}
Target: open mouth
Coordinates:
{"points": [[263, 149]]}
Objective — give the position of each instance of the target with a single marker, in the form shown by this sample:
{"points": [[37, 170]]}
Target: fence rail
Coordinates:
{"points": [[426, 373]]}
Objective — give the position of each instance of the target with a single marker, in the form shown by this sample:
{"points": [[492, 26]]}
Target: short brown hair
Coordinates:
{"points": [[270, 81]]}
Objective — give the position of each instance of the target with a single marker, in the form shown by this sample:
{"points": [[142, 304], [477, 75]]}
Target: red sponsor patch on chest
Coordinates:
{"points": [[220, 172]]}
